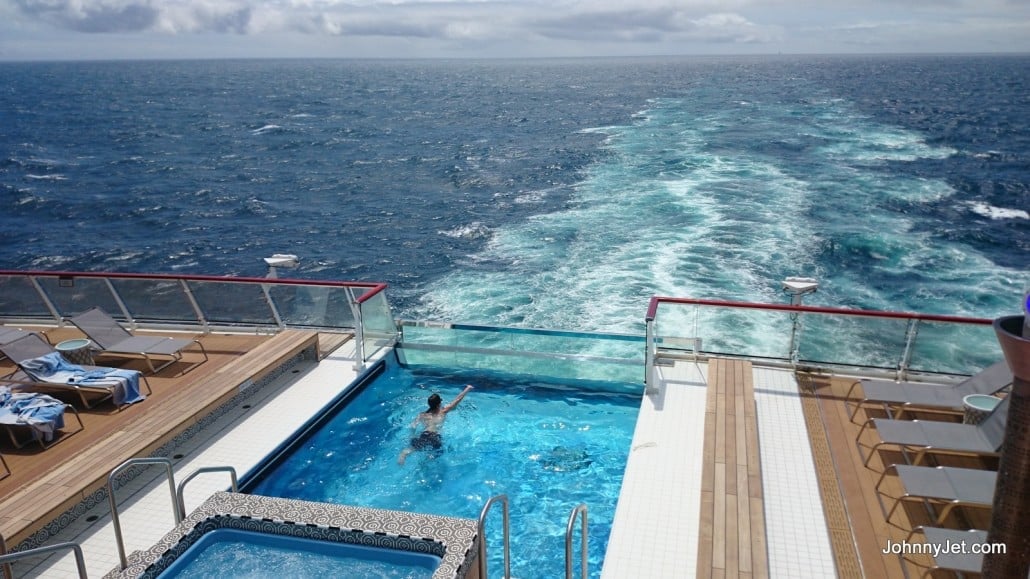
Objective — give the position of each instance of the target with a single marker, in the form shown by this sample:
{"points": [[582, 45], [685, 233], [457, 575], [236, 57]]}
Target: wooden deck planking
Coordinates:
{"points": [[866, 528], [44, 483], [732, 540]]}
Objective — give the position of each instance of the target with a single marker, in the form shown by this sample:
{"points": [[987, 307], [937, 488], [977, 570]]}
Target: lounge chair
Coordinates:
{"points": [[929, 397], [42, 367], [114, 340], [38, 414], [929, 436], [10, 334], [943, 485], [964, 561]]}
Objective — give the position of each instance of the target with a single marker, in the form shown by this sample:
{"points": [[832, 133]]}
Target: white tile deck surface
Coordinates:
{"points": [[655, 532], [240, 439], [799, 542]]}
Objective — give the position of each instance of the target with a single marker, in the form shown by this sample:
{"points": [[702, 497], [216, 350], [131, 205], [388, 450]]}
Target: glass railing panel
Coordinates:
{"points": [[827, 336], [154, 300], [955, 348], [378, 326], [232, 303], [72, 296], [19, 299], [852, 340], [313, 306], [744, 332], [675, 327], [562, 354]]}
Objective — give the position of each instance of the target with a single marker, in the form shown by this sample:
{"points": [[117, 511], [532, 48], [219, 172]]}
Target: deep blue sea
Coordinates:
{"points": [[544, 193]]}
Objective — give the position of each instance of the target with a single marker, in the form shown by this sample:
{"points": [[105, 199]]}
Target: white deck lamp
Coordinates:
{"points": [[798, 287]]}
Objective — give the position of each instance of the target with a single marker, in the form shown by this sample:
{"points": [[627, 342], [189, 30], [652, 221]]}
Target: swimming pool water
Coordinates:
{"points": [[548, 445], [258, 555]]}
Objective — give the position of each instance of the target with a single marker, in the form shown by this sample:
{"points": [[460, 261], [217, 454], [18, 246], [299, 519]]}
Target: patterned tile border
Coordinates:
{"points": [[453, 539], [245, 390]]}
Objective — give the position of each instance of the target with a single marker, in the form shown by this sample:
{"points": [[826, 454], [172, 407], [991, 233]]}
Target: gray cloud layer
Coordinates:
{"points": [[656, 26]]}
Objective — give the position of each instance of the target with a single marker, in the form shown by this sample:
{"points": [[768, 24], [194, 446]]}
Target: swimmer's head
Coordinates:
{"points": [[434, 402]]}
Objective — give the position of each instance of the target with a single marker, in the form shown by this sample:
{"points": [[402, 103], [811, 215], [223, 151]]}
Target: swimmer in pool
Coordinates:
{"points": [[431, 421]]}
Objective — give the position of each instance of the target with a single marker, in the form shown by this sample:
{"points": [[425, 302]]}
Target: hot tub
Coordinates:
{"points": [[254, 554], [231, 533]]}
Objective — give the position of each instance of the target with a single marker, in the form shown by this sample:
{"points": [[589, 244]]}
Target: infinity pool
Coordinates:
{"points": [[548, 444]]}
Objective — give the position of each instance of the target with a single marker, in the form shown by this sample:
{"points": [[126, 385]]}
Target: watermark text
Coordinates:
{"points": [[962, 547]]}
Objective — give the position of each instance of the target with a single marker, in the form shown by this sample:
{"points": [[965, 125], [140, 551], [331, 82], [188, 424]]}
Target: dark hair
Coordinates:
{"points": [[434, 401]]}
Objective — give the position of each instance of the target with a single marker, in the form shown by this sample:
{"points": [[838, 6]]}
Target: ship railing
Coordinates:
{"points": [[867, 342], [202, 303]]}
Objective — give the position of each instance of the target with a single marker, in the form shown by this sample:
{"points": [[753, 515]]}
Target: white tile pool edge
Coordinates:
{"points": [[655, 530]]}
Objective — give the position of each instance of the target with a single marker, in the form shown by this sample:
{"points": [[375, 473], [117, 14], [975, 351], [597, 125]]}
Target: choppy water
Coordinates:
{"points": [[548, 193]]}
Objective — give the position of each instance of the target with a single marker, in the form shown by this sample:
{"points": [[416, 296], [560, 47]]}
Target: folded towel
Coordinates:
{"points": [[53, 367]]}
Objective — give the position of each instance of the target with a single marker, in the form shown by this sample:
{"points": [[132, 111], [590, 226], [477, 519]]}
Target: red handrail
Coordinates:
{"points": [[376, 287], [652, 310]]}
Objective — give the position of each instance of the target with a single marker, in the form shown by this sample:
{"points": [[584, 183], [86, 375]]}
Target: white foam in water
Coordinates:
{"points": [[265, 129], [669, 214], [981, 208]]}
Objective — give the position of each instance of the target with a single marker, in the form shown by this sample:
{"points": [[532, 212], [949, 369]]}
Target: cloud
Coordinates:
{"points": [[448, 20], [515, 27], [118, 16]]}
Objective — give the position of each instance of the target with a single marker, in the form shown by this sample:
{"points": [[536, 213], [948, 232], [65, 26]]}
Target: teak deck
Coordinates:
{"points": [[44, 483], [732, 537], [859, 529]]}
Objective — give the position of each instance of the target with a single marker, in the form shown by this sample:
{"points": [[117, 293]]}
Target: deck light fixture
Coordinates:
{"points": [[798, 287]]}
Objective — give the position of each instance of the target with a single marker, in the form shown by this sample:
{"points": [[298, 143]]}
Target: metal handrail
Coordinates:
{"points": [[180, 501], [581, 509], [114, 505], [80, 561], [503, 499]]}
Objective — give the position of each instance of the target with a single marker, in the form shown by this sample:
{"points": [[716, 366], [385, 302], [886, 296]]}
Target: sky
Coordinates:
{"points": [[173, 29]]}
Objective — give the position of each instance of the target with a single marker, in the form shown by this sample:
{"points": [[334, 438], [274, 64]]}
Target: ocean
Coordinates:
{"points": [[543, 193]]}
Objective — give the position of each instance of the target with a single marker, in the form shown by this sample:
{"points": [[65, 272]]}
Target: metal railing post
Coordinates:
{"points": [[80, 561], [503, 499], [359, 331], [906, 355], [581, 509], [180, 501], [114, 505], [649, 355]]}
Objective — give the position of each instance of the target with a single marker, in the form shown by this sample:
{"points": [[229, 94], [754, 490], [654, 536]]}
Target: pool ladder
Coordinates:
{"points": [[178, 508], [580, 511], [178, 503]]}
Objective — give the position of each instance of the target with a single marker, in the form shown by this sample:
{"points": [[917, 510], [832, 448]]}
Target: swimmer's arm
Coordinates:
{"points": [[455, 402]]}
